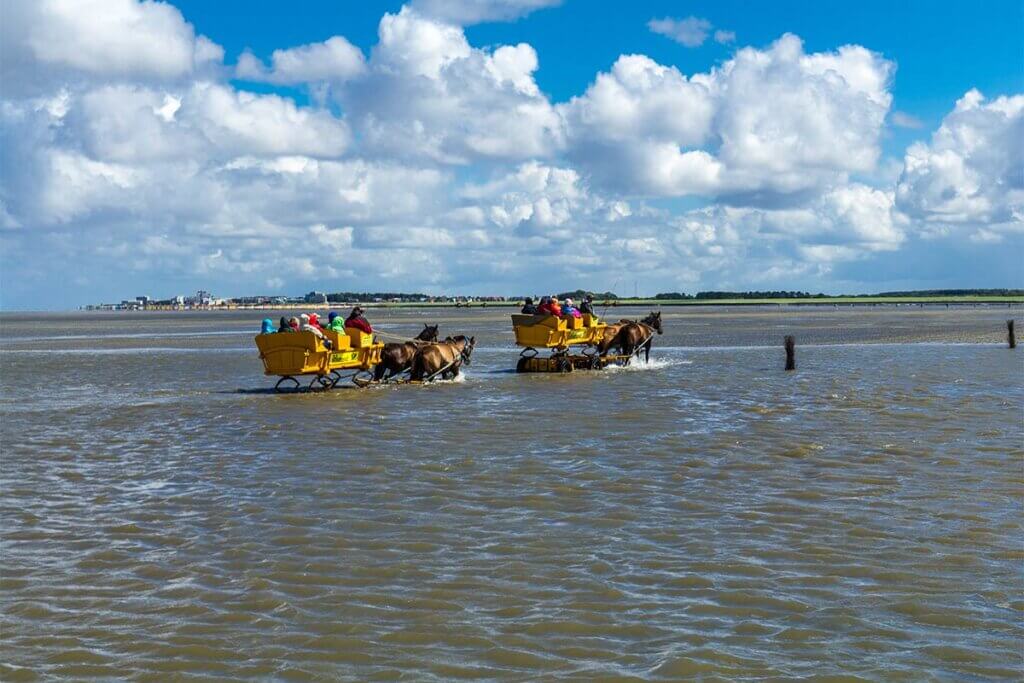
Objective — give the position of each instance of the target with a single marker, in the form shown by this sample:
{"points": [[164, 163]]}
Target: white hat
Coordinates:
{"points": [[568, 301]]}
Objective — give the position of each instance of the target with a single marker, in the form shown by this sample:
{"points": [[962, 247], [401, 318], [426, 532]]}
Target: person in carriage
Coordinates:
{"points": [[569, 310], [587, 307], [306, 325], [358, 321]]}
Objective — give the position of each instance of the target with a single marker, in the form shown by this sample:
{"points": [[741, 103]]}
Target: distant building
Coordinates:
{"points": [[315, 298]]}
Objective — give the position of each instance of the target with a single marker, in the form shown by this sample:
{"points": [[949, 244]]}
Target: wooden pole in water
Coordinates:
{"points": [[1010, 337], [790, 344]]}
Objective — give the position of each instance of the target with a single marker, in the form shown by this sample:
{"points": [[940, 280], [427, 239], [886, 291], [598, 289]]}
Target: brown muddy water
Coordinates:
{"points": [[707, 516]]}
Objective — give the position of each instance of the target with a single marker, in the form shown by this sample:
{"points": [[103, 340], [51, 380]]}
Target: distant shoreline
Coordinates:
{"points": [[786, 302]]}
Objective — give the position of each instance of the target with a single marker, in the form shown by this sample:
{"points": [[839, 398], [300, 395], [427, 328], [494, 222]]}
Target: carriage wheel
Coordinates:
{"points": [[595, 362], [362, 379], [320, 383], [287, 378], [563, 364], [523, 364]]}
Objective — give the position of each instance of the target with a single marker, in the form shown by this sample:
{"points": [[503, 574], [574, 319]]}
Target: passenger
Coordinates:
{"points": [[587, 307], [570, 311], [545, 306], [315, 322], [336, 322], [528, 307], [285, 325], [556, 308], [356, 320], [268, 326], [293, 323], [306, 325]]}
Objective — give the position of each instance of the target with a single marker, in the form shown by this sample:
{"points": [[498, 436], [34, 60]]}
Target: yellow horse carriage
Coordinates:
{"points": [[560, 335], [298, 354]]}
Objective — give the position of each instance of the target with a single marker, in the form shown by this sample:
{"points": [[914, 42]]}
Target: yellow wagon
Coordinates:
{"points": [[545, 331], [297, 354]]}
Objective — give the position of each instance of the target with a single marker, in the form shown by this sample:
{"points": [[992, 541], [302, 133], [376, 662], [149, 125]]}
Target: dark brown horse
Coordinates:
{"points": [[445, 358], [397, 358], [629, 336]]}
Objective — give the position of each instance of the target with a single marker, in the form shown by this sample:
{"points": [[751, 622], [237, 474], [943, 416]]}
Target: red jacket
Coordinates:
{"points": [[360, 323]]}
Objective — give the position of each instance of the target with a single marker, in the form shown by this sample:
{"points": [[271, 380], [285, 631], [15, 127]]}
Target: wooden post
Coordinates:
{"points": [[1010, 337], [790, 344]]}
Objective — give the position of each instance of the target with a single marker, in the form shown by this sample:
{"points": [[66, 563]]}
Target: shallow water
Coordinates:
{"points": [[706, 515]]}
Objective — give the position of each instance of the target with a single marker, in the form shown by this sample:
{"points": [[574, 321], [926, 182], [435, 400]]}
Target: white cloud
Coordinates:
{"points": [[335, 60], [429, 95], [725, 37], [970, 172], [691, 31], [902, 119], [105, 39], [766, 124], [466, 12]]}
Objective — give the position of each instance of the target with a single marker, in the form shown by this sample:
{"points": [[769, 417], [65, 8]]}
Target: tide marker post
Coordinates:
{"points": [[790, 344], [1011, 339]]}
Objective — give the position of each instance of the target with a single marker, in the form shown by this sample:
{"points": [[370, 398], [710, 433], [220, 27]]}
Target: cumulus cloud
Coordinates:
{"points": [[971, 172], [765, 125], [53, 40], [428, 94], [335, 59]]}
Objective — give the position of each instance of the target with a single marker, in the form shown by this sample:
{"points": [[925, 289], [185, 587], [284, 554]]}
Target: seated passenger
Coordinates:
{"points": [[556, 308], [587, 306], [293, 323], [285, 325], [356, 320], [315, 322], [336, 322], [570, 311], [528, 307], [545, 306], [306, 325], [268, 326]]}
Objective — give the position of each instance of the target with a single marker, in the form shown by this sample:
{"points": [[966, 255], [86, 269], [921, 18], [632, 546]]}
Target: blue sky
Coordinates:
{"points": [[491, 147]]}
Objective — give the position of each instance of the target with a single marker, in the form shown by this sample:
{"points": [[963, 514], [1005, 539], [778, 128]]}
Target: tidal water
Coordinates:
{"points": [[707, 515]]}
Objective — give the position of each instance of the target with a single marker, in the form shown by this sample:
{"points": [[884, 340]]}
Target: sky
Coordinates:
{"points": [[507, 147]]}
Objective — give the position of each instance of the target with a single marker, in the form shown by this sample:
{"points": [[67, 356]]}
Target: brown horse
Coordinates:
{"points": [[397, 358], [629, 336], [445, 358]]}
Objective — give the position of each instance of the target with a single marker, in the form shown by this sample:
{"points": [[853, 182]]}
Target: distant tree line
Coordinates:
{"points": [[955, 292], [819, 295], [578, 294]]}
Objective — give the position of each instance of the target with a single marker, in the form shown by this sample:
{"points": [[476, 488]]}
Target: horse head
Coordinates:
{"points": [[429, 333], [654, 320], [467, 349]]}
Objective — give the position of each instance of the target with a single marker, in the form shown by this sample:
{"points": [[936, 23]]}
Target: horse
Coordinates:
{"points": [[628, 336], [445, 357], [397, 358]]}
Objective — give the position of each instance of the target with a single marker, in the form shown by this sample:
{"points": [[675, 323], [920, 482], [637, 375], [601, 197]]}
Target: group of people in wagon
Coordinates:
{"points": [[550, 305], [310, 322]]}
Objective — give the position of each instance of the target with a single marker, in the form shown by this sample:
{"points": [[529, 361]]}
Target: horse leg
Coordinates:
{"points": [[647, 351]]}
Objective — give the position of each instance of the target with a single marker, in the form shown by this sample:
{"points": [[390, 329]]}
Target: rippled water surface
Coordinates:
{"points": [[707, 515]]}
